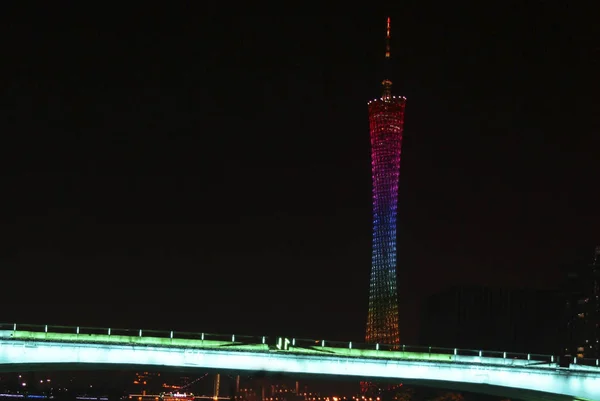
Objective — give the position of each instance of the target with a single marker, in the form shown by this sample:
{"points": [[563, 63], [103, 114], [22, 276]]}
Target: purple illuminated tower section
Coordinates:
{"points": [[386, 120]]}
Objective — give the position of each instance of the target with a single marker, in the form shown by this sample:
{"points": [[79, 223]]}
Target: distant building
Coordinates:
{"points": [[582, 310], [282, 392], [493, 319], [146, 383]]}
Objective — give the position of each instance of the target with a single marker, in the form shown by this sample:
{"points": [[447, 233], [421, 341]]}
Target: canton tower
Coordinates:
{"points": [[386, 120]]}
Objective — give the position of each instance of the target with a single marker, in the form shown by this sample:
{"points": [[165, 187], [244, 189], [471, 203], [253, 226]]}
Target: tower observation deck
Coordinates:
{"points": [[386, 120]]}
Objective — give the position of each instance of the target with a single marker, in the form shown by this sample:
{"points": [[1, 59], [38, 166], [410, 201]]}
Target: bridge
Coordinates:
{"points": [[522, 376]]}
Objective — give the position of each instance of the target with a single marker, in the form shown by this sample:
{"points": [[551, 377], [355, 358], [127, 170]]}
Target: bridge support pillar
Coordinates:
{"points": [[217, 385]]}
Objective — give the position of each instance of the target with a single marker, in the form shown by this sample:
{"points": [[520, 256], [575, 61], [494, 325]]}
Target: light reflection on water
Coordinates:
{"points": [[37, 396]]}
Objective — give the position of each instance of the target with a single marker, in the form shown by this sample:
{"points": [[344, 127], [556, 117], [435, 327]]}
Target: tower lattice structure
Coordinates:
{"points": [[386, 120]]}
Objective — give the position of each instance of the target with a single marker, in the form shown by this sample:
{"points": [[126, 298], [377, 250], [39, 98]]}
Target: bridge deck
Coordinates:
{"points": [[280, 344], [509, 375]]}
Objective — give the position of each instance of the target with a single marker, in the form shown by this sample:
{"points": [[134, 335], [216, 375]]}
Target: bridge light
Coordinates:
{"points": [[283, 343]]}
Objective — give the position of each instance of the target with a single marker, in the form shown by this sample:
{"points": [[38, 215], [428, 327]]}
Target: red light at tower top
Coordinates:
{"points": [[388, 27], [387, 39]]}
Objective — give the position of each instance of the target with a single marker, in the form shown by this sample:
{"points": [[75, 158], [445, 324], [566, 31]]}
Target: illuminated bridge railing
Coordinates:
{"points": [[141, 337]]}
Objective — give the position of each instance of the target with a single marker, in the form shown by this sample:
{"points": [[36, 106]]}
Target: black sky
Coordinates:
{"points": [[210, 170]]}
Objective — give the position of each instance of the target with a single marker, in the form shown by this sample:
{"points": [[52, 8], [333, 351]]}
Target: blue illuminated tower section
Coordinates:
{"points": [[386, 120]]}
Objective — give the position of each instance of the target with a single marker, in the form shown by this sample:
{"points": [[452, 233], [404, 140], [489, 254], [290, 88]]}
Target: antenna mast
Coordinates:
{"points": [[387, 83]]}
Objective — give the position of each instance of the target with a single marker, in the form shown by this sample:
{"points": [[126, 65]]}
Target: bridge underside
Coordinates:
{"points": [[485, 389], [504, 392]]}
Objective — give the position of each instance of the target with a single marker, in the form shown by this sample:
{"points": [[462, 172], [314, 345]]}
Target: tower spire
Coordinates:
{"points": [[387, 39], [387, 83]]}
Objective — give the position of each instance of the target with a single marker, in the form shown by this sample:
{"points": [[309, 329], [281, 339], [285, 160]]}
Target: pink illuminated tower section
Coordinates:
{"points": [[386, 120]]}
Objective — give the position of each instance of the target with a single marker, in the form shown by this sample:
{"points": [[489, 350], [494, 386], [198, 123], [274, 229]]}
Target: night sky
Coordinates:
{"points": [[196, 169]]}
